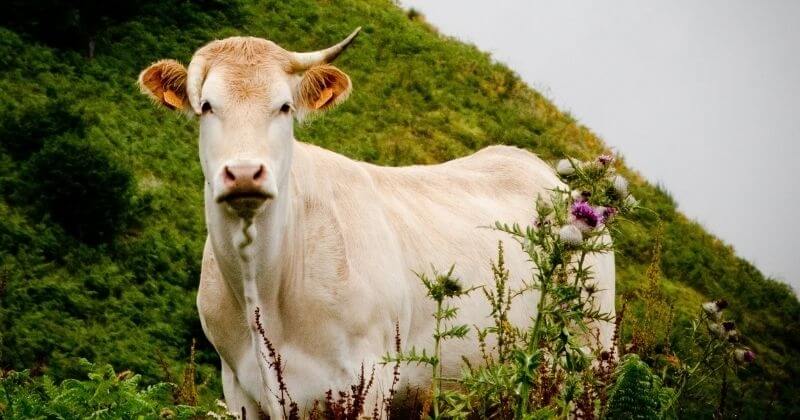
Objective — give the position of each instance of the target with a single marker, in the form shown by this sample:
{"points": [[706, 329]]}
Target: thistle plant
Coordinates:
{"points": [[718, 352], [553, 353], [541, 369], [441, 288]]}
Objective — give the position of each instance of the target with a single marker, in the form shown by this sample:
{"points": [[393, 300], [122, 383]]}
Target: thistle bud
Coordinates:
{"points": [[713, 309], [717, 330], [744, 356], [606, 213], [590, 289], [631, 201], [605, 160], [620, 185], [564, 167], [578, 196], [571, 235]]}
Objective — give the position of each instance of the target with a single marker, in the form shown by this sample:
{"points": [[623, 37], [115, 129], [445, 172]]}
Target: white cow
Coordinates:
{"points": [[327, 247]]}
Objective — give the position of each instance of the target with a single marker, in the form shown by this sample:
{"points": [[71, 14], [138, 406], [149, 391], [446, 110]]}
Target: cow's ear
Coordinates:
{"points": [[165, 82], [322, 87]]}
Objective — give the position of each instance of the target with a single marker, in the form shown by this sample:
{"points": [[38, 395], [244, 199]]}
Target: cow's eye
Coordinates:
{"points": [[206, 107], [286, 108]]}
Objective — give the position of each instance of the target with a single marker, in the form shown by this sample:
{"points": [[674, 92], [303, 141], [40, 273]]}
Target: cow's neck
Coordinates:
{"points": [[256, 256]]}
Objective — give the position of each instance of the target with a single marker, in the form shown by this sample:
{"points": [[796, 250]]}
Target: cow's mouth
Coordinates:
{"points": [[245, 198]]}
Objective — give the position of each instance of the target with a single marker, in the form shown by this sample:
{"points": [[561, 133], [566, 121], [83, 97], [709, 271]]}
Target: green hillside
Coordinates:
{"points": [[123, 293]]}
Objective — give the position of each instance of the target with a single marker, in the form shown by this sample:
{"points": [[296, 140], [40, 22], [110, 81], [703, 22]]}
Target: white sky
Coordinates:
{"points": [[699, 96]]}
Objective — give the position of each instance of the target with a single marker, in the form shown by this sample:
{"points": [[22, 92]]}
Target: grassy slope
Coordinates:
{"points": [[418, 98]]}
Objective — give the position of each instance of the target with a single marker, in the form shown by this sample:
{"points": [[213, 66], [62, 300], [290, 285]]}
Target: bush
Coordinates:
{"points": [[106, 395], [25, 129], [82, 188]]}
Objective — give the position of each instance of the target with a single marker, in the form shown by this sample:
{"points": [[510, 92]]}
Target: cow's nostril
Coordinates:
{"points": [[229, 176], [259, 173]]}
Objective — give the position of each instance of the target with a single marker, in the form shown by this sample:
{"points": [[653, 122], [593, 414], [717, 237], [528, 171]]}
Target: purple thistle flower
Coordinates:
{"points": [[605, 160], [585, 213]]}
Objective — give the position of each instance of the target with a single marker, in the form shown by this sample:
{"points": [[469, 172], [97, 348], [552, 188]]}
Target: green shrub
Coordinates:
{"points": [[24, 130], [82, 188], [105, 395]]}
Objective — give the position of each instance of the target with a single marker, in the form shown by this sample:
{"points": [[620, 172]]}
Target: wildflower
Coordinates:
{"points": [[733, 336], [590, 289], [580, 195], [620, 185], [584, 216], [570, 235], [606, 213], [717, 330], [564, 167], [714, 308], [744, 355], [605, 160]]}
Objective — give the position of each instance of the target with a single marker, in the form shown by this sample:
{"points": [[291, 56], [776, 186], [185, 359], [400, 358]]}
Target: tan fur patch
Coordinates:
{"points": [[246, 62]]}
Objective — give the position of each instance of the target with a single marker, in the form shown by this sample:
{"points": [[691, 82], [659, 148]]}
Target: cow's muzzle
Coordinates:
{"points": [[244, 186]]}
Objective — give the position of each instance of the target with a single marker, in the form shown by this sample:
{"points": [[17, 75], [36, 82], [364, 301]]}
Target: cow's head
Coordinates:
{"points": [[246, 91]]}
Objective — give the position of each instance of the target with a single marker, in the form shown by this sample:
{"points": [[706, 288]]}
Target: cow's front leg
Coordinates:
{"points": [[238, 401]]}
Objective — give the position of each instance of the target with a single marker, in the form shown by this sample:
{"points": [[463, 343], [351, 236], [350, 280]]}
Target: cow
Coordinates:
{"points": [[326, 248]]}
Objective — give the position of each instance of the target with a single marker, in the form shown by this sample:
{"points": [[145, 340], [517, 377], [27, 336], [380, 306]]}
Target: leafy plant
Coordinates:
{"points": [[637, 393], [441, 288], [105, 395]]}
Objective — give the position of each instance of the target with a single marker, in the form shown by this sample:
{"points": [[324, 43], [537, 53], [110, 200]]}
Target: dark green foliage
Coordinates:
{"points": [[637, 393], [77, 23], [418, 98], [82, 188], [23, 131], [105, 395]]}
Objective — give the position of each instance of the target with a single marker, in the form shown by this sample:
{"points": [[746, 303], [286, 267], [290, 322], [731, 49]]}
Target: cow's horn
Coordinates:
{"points": [[196, 76], [303, 60]]}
